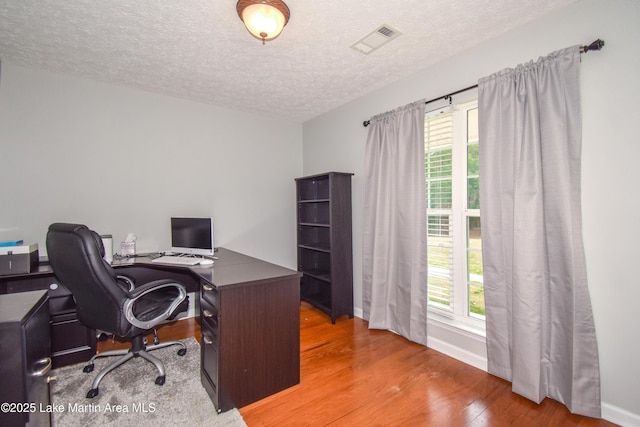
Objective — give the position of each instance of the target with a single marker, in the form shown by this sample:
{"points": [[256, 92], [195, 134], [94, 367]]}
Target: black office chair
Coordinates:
{"points": [[102, 302]]}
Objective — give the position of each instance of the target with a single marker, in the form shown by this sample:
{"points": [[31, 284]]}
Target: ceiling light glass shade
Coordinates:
{"points": [[264, 19]]}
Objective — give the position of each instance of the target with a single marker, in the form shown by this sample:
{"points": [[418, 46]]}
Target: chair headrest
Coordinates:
{"points": [[60, 227], [66, 228]]}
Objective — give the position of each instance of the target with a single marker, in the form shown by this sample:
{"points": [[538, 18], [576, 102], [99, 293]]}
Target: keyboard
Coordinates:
{"points": [[176, 260]]}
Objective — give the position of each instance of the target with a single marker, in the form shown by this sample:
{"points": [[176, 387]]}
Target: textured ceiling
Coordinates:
{"points": [[200, 50]]}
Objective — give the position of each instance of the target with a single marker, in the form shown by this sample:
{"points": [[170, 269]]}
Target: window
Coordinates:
{"points": [[454, 244]]}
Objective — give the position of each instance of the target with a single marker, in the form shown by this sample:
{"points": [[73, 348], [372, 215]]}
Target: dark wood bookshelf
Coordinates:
{"points": [[325, 256]]}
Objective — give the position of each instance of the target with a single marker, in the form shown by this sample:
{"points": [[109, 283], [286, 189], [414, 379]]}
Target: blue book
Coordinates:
{"points": [[11, 243]]}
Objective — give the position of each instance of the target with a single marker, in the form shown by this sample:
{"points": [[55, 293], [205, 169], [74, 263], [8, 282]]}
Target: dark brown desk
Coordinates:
{"points": [[249, 315], [24, 359]]}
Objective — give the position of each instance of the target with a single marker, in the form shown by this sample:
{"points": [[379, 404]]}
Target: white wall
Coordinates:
{"points": [[611, 149], [121, 160]]}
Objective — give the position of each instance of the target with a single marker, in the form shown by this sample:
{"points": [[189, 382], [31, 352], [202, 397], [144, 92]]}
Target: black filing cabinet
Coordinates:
{"points": [[25, 355], [71, 341]]}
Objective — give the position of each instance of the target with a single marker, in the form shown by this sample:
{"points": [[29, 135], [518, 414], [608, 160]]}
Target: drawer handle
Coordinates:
{"points": [[208, 340], [46, 368], [207, 287], [207, 314]]}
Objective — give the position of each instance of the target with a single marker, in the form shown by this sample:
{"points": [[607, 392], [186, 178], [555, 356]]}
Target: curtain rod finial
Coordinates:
{"points": [[596, 45]]}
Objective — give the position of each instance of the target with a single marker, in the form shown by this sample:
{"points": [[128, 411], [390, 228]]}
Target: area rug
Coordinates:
{"points": [[129, 396]]}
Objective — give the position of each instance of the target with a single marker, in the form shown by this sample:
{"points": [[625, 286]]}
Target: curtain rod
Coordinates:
{"points": [[596, 45]]}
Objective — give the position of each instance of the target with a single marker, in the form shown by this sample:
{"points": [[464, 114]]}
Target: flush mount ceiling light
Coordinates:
{"points": [[264, 19]]}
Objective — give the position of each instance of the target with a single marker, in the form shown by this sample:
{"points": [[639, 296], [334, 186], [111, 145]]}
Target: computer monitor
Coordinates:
{"points": [[192, 236]]}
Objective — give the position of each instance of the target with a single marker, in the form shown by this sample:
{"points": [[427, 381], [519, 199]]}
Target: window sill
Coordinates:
{"points": [[471, 326]]}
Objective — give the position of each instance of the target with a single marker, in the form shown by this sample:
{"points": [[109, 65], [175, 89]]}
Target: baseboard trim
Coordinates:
{"points": [[457, 353], [620, 416], [461, 344]]}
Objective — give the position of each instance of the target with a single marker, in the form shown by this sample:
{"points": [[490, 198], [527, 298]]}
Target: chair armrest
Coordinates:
{"points": [[128, 281], [148, 288]]}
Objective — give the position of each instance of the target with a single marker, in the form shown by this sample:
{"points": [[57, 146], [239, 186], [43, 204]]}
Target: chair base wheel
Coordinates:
{"points": [[92, 393], [88, 368], [182, 352], [160, 380]]}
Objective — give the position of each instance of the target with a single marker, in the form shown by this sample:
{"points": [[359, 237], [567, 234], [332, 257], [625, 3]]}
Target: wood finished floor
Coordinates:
{"points": [[353, 376]]}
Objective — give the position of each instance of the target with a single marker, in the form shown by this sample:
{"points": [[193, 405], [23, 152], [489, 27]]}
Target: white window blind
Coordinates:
{"points": [[454, 242], [440, 231]]}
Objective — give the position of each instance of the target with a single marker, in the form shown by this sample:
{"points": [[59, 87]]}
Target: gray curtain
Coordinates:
{"points": [[394, 246], [540, 328]]}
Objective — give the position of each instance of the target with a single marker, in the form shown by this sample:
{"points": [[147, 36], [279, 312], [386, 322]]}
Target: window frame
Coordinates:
{"points": [[459, 315]]}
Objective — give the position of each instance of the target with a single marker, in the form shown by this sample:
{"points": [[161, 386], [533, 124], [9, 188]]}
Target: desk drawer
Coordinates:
{"points": [[209, 357], [62, 305], [211, 328], [209, 293], [211, 389], [208, 310], [71, 341], [68, 333]]}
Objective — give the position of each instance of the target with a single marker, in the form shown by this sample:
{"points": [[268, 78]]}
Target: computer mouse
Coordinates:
{"points": [[206, 261]]}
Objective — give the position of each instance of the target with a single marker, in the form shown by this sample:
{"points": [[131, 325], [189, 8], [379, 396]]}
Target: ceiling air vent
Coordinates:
{"points": [[376, 38]]}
